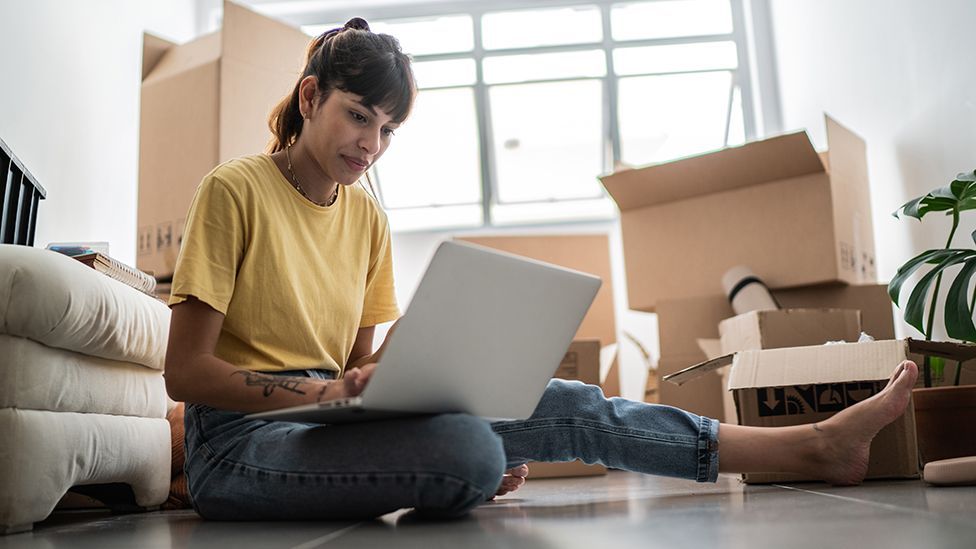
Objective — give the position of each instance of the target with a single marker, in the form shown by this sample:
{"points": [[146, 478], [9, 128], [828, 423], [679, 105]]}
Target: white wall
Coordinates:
{"points": [[69, 107], [901, 74]]}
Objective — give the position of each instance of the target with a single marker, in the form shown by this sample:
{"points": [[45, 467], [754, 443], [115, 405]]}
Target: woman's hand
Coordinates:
{"points": [[351, 384]]}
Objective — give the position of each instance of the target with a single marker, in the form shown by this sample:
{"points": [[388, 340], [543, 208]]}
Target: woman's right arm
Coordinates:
{"points": [[195, 375]]}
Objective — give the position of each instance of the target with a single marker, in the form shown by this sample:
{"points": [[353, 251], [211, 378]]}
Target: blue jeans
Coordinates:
{"points": [[440, 465]]}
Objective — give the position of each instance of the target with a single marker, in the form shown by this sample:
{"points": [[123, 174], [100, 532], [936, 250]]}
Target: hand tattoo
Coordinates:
{"points": [[270, 383]]}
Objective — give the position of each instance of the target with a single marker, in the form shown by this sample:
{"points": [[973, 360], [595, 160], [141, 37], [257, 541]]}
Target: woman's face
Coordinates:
{"points": [[344, 136]]}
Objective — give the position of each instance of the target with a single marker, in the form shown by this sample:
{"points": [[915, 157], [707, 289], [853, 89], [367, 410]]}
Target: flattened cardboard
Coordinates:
{"points": [[203, 103], [788, 328], [746, 205], [588, 253]]}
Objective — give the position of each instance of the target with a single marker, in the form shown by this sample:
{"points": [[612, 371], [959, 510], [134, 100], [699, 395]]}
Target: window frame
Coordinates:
{"points": [[742, 75]]}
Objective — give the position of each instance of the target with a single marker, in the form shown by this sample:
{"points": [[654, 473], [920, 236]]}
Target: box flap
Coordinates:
{"points": [[842, 362], [693, 372], [184, 57], [944, 349], [153, 48], [781, 157], [262, 60], [795, 327], [262, 41]]}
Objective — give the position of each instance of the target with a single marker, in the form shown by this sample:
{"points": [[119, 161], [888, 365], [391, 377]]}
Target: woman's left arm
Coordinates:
{"points": [[362, 354]]}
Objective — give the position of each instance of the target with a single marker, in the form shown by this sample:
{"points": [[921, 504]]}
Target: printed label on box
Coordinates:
{"points": [[808, 399]]}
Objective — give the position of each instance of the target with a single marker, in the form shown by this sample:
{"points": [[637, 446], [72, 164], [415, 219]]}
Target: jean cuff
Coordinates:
{"points": [[707, 450]]}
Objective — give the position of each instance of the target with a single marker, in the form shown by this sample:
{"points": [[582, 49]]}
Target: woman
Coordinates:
{"points": [[284, 272]]}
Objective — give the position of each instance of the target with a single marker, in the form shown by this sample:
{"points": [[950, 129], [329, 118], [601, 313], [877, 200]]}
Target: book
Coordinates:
{"points": [[114, 268]]}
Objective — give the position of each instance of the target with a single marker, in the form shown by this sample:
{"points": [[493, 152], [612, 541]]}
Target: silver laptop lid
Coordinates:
{"points": [[483, 334]]}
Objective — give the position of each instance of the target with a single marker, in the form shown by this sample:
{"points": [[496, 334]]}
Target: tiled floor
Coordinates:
{"points": [[619, 510]]}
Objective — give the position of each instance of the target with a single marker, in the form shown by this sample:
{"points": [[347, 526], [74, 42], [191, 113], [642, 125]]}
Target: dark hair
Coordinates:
{"points": [[355, 60]]}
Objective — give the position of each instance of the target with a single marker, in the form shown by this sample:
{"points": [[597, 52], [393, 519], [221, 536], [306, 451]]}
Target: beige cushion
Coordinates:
{"points": [[37, 377], [55, 300], [45, 453]]}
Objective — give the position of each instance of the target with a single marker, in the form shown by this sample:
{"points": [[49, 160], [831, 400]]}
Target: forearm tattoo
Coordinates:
{"points": [[270, 383]]}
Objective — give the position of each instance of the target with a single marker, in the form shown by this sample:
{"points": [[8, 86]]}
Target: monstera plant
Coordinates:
{"points": [[955, 200]]}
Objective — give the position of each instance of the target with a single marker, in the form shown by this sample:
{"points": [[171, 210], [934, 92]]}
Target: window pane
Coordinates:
{"points": [[433, 159], [544, 66], [677, 58], [437, 74], [666, 117], [671, 18], [547, 140], [429, 35], [546, 27]]}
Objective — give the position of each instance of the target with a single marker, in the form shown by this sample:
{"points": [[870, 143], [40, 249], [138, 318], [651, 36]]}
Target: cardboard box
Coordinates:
{"points": [[788, 328], [777, 329], [588, 253], [205, 102], [772, 205], [682, 322], [800, 385], [702, 396], [582, 362]]}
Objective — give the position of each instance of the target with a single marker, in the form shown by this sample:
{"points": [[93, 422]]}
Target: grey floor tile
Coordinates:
{"points": [[619, 510]]}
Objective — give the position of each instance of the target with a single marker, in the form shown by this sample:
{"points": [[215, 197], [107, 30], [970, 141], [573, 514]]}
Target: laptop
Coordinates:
{"points": [[483, 334]]}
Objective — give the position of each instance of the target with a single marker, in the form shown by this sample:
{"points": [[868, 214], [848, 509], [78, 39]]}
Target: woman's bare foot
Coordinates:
{"points": [[840, 454], [513, 479]]}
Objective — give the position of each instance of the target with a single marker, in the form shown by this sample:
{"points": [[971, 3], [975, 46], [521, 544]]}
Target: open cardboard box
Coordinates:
{"points": [[682, 323], [205, 102], [688, 221], [800, 385], [776, 329]]}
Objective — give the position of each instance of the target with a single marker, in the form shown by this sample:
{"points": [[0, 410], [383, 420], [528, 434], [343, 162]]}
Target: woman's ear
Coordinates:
{"points": [[307, 92]]}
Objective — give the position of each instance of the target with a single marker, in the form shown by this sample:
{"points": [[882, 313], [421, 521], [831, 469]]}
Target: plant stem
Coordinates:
{"points": [[926, 367]]}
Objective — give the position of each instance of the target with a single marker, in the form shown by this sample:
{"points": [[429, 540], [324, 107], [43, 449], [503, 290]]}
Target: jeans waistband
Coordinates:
{"points": [[317, 373]]}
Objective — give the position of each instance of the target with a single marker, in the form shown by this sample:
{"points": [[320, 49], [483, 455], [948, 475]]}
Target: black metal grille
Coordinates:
{"points": [[19, 195]]}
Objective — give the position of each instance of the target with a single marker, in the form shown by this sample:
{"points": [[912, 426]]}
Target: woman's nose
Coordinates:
{"points": [[370, 141]]}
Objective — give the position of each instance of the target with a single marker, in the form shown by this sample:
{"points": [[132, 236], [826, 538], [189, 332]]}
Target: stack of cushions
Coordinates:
{"points": [[82, 396]]}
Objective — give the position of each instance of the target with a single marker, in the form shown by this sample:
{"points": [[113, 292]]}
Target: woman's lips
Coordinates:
{"points": [[355, 165]]}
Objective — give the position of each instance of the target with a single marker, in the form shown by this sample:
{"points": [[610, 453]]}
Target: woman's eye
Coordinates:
{"points": [[388, 132], [358, 117]]}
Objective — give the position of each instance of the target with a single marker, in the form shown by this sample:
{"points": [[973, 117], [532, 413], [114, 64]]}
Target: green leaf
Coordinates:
{"points": [[959, 195], [910, 266], [958, 316], [915, 309]]}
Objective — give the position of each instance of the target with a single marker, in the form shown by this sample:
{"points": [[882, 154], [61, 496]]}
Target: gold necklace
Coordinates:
{"points": [[298, 186]]}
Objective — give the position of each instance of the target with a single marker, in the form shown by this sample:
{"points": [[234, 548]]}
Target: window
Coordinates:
{"points": [[520, 110]]}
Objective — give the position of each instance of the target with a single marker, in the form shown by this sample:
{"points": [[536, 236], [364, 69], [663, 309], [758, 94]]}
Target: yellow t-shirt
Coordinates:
{"points": [[294, 280]]}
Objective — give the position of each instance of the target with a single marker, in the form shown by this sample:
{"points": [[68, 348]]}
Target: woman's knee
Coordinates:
{"points": [[569, 398], [465, 447]]}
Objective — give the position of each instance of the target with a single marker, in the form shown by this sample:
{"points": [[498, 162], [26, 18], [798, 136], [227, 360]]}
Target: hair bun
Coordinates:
{"points": [[357, 23]]}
